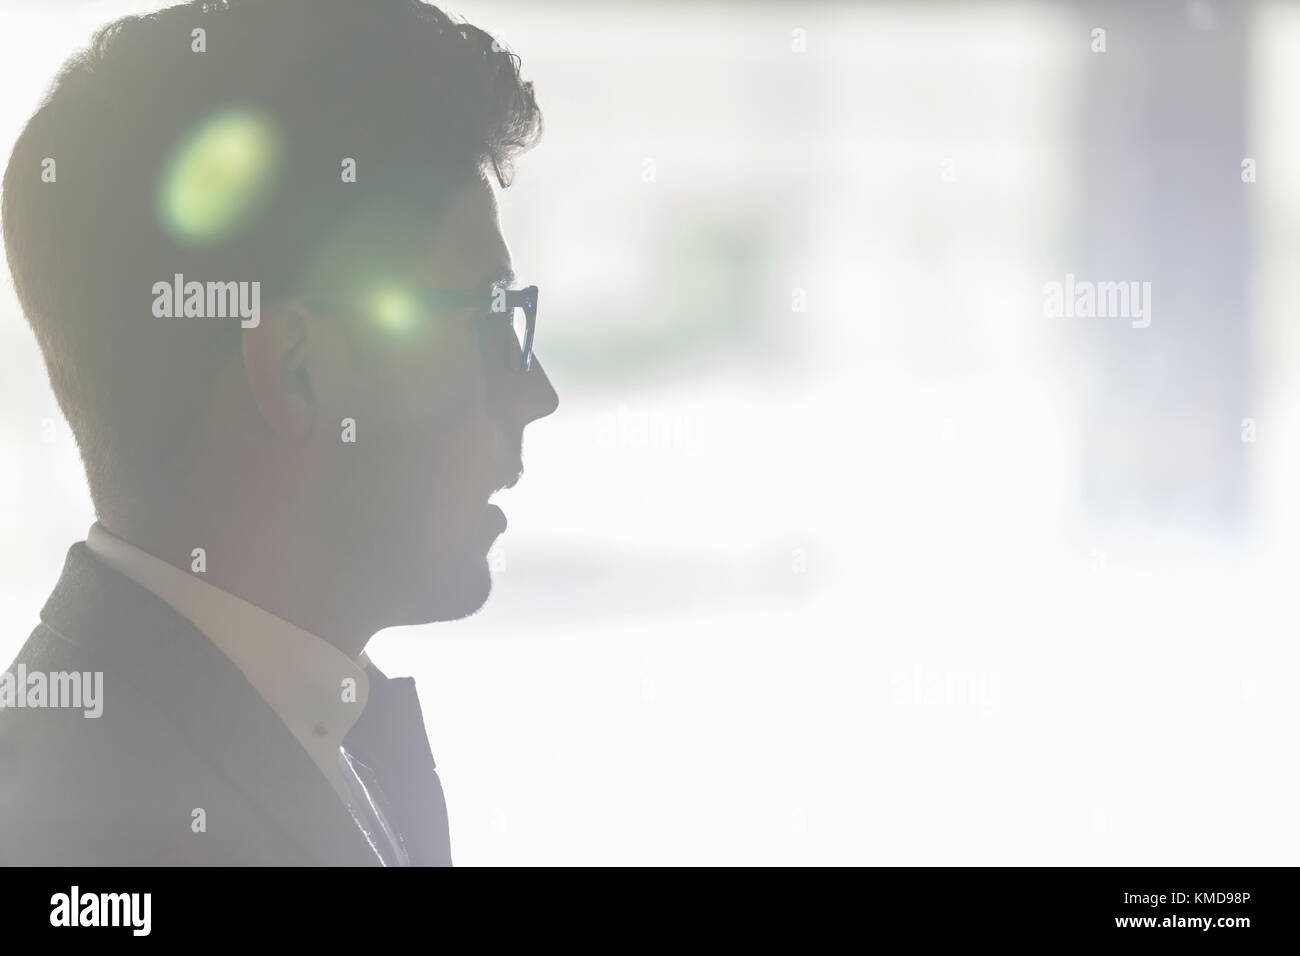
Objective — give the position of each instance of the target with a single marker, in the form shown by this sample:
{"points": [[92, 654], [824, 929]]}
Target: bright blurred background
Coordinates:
{"points": [[839, 550]]}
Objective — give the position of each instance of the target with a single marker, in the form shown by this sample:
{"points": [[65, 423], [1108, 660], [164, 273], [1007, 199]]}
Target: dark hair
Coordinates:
{"points": [[420, 102]]}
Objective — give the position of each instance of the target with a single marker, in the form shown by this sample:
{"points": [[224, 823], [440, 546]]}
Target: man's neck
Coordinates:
{"points": [[296, 587]]}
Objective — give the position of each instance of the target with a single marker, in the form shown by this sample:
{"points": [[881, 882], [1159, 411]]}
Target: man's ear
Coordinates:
{"points": [[278, 356]]}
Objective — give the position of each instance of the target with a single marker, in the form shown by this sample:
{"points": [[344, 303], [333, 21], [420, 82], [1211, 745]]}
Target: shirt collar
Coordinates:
{"points": [[316, 689]]}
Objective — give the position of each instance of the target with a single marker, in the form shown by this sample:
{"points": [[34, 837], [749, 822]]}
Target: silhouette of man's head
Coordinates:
{"points": [[221, 223]]}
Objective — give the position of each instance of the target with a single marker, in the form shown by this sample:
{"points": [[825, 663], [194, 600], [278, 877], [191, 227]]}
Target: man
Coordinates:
{"points": [[259, 246]]}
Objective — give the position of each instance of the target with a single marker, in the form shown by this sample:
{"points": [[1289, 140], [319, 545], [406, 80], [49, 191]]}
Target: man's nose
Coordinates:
{"points": [[533, 396]]}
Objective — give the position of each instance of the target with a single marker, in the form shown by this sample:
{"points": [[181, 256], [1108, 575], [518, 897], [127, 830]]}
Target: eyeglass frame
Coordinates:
{"points": [[525, 299]]}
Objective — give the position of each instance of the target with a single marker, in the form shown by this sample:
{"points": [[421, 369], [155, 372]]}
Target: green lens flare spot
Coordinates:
{"points": [[393, 308], [219, 177]]}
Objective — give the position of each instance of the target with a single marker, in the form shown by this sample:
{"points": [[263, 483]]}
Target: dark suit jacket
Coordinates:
{"points": [[183, 729]]}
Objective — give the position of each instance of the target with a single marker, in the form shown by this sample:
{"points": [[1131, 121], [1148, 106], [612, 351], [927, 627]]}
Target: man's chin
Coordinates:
{"points": [[455, 593]]}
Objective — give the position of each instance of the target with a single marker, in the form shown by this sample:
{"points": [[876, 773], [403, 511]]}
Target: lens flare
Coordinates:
{"points": [[393, 308], [219, 177]]}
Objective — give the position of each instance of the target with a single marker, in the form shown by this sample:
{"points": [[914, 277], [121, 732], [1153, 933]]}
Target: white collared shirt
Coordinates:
{"points": [[316, 689]]}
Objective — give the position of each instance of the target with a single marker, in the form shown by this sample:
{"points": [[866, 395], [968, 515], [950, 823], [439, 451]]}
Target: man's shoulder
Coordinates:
{"points": [[121, 787], [176, 759]]}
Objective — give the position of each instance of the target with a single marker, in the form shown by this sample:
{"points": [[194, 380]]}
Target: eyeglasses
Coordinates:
{"points": [[519, 306]]}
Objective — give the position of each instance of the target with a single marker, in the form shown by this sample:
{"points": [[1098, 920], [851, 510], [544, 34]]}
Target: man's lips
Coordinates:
{"points": [[494, 517], [511, 477]]}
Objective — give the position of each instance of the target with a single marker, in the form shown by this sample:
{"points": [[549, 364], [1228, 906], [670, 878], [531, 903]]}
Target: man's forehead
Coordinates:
{"points": [[468, 249]]}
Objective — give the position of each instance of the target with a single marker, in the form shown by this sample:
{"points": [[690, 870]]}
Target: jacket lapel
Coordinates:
{"points": [[145, 643], [389, 737]]}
